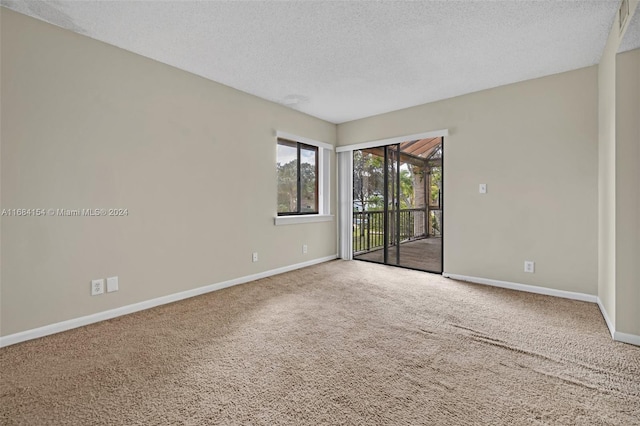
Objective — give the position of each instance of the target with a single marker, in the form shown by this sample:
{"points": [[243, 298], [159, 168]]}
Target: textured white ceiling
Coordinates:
{"points": [[340, 61]]}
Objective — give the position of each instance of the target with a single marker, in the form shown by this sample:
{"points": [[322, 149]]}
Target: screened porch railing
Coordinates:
{"points": [[368, 228]]}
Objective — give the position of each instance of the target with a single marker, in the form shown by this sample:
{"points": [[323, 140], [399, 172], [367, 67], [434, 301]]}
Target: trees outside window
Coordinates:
{"points": [[368, 180], [297, 167]]}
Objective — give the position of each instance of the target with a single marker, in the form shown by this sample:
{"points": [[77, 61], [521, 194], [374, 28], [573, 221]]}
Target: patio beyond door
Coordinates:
{"points": [[397, 204]]}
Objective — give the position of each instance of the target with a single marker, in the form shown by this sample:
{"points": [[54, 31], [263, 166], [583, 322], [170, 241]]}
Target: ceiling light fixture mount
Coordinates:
{"points": [[294, 100]]}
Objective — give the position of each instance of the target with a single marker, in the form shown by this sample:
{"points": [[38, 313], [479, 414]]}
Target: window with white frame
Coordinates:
{"points": [[297, 178], [302, 166]]}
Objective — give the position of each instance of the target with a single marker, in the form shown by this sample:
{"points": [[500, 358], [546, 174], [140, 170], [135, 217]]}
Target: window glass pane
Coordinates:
{"points": [[308, 179], [287, 177]]}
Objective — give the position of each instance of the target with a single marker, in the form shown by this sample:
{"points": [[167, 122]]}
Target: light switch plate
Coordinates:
{"points": [[483, 188], [112, 284]]}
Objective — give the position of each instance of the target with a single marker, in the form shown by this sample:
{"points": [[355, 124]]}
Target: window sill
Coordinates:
{"points": [[308, 218]]}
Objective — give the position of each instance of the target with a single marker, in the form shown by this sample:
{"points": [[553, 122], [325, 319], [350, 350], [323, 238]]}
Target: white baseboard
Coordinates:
{"points": [[632, 339], [525, 287], [605, 315], [618, 336], [58, 327]]}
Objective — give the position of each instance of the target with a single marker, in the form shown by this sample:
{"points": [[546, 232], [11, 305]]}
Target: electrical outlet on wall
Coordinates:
{"points": [[304, 249], [529, 266], [97, 287]]}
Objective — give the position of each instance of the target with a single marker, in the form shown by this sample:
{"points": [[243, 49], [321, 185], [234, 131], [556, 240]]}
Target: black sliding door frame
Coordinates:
{"points": [[394, 201], [391, 210]]}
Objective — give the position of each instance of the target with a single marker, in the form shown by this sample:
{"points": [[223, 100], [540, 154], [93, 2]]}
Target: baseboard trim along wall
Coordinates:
{"points": [[58, 327], [605, 315], [525, 287], [618, 336], [631, 339]]}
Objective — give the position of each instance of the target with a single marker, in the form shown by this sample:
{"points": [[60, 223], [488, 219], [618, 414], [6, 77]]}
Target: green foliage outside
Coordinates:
{"points": [[288, 187], [436, 178], [368, 183], [368, 190]]}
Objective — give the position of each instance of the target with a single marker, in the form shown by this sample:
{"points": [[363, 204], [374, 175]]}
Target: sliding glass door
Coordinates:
{"points": [[392, 185], [397, 210]]}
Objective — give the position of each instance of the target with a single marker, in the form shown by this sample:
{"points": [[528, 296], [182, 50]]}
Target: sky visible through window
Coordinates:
{"points": [[287, 154]]}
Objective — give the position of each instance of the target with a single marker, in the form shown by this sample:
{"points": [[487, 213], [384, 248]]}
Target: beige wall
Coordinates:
{"points": [[628, 192], [606, 174], [534, 144], [617, 180], [88, 125]]}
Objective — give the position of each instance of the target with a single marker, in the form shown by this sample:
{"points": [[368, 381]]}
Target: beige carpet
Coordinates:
{"points": [[350, 343]]}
